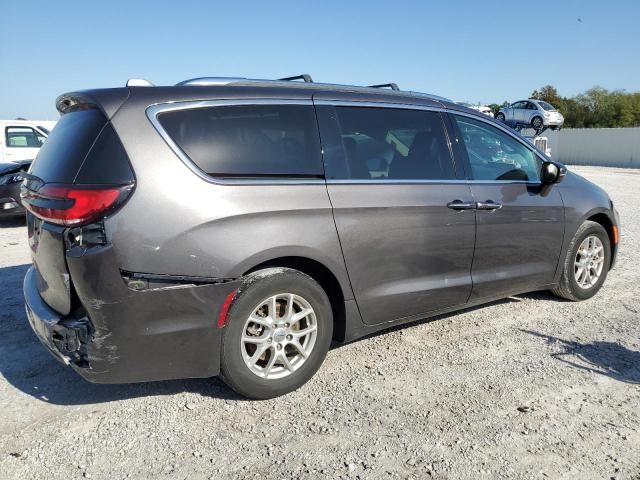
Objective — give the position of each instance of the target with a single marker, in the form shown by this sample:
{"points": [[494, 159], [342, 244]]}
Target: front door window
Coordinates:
{"points": [[496, 155], [23, 137]]}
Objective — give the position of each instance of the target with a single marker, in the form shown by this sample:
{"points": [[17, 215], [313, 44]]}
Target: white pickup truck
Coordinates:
{"points": [[21, 139]]}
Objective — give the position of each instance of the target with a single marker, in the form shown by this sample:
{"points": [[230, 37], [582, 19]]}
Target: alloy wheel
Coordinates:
{"points": [[279, 336], [589, 262]]}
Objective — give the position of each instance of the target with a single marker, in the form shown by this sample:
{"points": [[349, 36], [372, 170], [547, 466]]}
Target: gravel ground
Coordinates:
{"points": [[529, 387]]}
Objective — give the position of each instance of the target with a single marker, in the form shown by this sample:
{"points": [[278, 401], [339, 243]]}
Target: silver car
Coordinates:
{"points": [[536, 113]]}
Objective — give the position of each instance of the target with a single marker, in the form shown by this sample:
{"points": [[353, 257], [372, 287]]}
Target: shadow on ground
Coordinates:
{"points": [[543, 295], [28, 366], [606, 358]]}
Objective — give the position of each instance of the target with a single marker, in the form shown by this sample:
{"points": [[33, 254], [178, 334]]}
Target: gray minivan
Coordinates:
{"points": [[237, 227]]}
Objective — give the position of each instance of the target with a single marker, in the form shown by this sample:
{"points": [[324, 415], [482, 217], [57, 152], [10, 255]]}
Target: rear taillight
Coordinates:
{"points": [[73, 205]]}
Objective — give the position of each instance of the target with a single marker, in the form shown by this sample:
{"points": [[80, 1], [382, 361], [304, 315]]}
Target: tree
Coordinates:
{"points": [[595, 108], [20, 118], [549, 94], [495, 108]]}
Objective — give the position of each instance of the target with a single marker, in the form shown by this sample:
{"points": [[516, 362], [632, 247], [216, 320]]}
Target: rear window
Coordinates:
{"points": [[83, 148], [248, 140], [548, 107]]}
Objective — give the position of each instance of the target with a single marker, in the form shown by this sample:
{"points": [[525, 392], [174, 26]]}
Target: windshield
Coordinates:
{"points": [[546, 106]]}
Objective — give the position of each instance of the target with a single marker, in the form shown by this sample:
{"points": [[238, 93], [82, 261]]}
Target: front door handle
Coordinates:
{"points": [[460, 205], [488, 205]]}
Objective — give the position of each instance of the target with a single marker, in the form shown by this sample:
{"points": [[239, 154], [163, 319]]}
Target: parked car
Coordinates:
{"points": [[536, 113], [10, 180], [236, 227], [21, 139]]}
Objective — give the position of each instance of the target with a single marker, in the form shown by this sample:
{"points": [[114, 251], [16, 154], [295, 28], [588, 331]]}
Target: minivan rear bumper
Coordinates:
{"points": [[120, 335], [45, 322]]}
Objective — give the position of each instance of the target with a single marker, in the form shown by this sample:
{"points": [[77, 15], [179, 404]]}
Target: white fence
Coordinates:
{"points": [[608, 147]]}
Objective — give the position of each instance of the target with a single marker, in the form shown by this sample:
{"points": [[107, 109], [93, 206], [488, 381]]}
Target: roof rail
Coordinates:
{"points": [[430, 95], [306, 81], [391, 85], [139, 82], [209, 81], [305, 76]]}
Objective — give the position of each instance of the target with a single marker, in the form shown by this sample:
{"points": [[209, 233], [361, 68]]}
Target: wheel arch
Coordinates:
{"points": [[605, 221], [534, 116], [325, 278], [603, 217]]}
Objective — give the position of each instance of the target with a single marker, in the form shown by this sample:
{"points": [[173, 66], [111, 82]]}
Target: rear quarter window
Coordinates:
{"points": [[83, 148], [248, 140], [61, 156]]}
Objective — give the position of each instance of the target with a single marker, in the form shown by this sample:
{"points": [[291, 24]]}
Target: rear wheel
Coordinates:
{"points": [[536, 122], [278, 332], [500, 116], [586, 264]]}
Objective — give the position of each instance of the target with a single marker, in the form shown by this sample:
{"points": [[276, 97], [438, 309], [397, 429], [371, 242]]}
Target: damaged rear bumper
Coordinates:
{"points": [[66, 339], [120, 335]]}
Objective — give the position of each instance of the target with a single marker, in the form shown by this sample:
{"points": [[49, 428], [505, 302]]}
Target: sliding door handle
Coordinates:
{"points": [[460, 205], [488, 205]]}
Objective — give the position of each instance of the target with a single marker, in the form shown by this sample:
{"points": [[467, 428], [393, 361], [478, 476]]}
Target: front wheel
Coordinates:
{"points": [[278, 332], [500, 117], [586, 264]]}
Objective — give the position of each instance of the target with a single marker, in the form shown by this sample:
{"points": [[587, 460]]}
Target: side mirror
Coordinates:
{"points": [[553, 173]]}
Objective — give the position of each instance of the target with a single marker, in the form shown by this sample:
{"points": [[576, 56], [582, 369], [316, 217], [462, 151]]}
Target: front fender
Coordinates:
{"points": [[582, 200]]}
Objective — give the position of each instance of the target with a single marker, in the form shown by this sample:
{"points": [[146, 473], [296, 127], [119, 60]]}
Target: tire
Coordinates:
{"points": [[569, 288], [537, 123], [254, 378], [500, 117]]}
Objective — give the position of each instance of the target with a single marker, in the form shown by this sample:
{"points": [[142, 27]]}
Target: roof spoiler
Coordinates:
{"points": [[106, 100], [72, 102]]}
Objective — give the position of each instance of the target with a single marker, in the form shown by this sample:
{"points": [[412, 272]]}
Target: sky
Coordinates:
{"points": [[476, 51]]}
